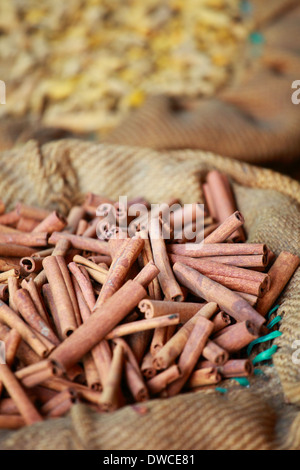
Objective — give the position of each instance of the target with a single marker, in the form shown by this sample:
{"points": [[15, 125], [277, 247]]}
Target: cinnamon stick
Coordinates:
{"points": [[31, 264], [236, 368], [10, 318], [119, 269], [12, 421], [197, 250], [61, 296], [161, 381], [147, 368], [235, 337], [140, 325], [84, 283], [30, 314], [17, 393], [135, 383], [226, 228], [25, 224], [109, 397], [82, 243], [4, 294], [156, 308], [31, 212], [251, 282], [17, 251], [205, 376], [211, 291], [191, 353], [54, 222], [224, 203], [280, 273], [25, 239], [173, 348], [168, 283], [101, 322]]}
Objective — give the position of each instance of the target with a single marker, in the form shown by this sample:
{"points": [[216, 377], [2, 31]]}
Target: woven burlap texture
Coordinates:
{"points": [[263, 416]]}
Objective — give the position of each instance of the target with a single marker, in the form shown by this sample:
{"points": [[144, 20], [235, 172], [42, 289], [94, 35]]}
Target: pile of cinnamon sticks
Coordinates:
{"points": [[88, 314]]}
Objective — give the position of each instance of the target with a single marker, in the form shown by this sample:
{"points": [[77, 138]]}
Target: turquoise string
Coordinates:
{"points": [[265, 355], [246, 7], [242, 381], [274, 321], [273, 310], [262, 339]]}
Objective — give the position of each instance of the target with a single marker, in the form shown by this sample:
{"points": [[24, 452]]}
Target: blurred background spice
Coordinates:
{"points": [[83, 64]]}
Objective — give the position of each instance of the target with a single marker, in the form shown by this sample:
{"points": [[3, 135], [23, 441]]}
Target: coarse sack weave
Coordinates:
{"points": [[265, 415]]}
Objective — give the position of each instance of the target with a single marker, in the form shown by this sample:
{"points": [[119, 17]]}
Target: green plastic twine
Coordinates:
{"points": [[242, 381], [262, 339], [273, 310], [274, 321], [265, 355]]}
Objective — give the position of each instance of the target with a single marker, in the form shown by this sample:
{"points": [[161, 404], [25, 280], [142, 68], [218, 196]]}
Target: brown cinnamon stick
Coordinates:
{"points": [[147, 368], [168, 283], [235, 337], [17, 251], [83, 243], [31, 212], [84, 283], [135, 383], [140, 325], [236, 368], [100, 323], [25, 224], [173, 348], [120, 268], [54, 222], [30, 314], [61, 296], [17, 393], [109, 397], [224, 203], [4, 294], [238, 279], [191, 353], [161, 381], [31, 264], [197, 250], [211, 291], [226, 228], [205, 376], [25, 239], [156, 308], [10, 318], [280, 273]]}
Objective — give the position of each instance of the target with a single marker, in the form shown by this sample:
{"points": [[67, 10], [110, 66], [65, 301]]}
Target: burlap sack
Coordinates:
{"points": [[264, 415]]}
